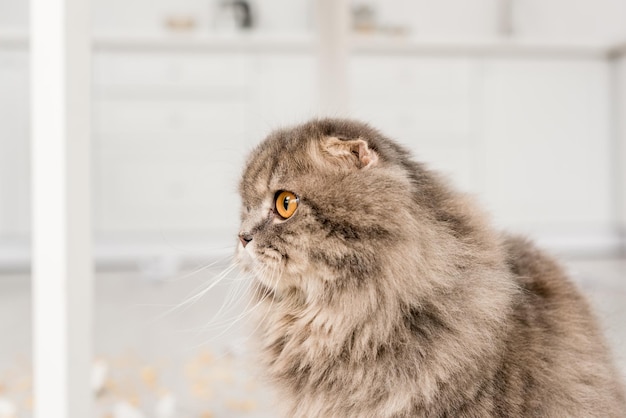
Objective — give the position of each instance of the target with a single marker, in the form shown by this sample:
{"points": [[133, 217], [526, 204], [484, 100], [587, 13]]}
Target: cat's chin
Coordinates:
{"points": [[271, 271], [246, 262], [264, 271]]}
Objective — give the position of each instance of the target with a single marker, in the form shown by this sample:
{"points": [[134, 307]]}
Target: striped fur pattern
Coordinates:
{"points": [[387, 294]]}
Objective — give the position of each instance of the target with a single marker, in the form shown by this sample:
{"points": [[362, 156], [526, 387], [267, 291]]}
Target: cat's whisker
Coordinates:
{"points": [[235, 281], [244, 283], [248, 310], [200, 269], [187, 275], [194, 291], [229, 304], [191, 300], [228, 323], [267, 311], [213, 322]]}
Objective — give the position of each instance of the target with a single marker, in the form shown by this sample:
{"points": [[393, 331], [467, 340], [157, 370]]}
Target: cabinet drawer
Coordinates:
{"points": [[414, 78], [414, 96], [182, 192], [14, 61], [161, 69], [547, 142], [436, 122], [285, 90], [168, 118]]}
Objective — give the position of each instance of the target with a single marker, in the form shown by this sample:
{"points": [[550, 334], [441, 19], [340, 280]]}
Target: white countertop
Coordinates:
{"points": [[205, 41], [489, 46], [13, 38], [618, 50], [179, 41], [361, 44]]}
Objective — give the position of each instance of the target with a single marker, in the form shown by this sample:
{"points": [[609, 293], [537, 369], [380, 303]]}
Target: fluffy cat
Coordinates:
{"points": [[384, 293]]}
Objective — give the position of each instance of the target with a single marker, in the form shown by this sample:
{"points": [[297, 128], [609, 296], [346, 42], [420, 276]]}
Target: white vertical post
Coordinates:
{"points": [[333, 27], [62, 262], [619, 115]]}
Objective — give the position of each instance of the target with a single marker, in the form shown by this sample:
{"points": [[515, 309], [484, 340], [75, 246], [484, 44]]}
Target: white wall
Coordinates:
{"points": [[441, 18], [172, 129], [546, 143], [563, 20], [150, 15], [530, 136], [555, 20], [571, 20], [140, 16]]}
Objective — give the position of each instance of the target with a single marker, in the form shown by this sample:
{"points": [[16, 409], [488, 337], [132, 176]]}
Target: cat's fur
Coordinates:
{"points": [[387, 294]]}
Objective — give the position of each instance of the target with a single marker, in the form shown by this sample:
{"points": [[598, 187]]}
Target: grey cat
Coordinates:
{"points": [[384, 293]]}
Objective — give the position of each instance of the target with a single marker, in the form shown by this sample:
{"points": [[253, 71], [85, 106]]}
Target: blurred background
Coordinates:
{"points": [[521, 103]]}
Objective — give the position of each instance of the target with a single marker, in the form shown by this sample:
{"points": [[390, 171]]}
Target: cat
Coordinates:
{"points": [[382, 292]]}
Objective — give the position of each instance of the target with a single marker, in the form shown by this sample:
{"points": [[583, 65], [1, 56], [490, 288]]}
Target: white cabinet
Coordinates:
{"points": [[175, 121], [424, 103], [189, 191], [285, 91], [170, 72], [172, 130], [169, 130], [14, 145], [529, 135], [427, 98], [545, 138]]}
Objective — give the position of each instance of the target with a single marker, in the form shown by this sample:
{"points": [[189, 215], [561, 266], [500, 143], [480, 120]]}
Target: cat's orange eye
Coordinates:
{"points": [[286, 204]]}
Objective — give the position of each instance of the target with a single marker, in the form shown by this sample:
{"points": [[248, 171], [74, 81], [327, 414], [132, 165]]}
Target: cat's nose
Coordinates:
{"points": [[245, 238]]}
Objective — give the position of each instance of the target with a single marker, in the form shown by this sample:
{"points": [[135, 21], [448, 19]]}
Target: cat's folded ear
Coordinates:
{"points": [[352, 153]]}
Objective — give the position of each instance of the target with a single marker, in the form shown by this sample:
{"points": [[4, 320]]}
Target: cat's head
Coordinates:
{"points": [[330, 203]]}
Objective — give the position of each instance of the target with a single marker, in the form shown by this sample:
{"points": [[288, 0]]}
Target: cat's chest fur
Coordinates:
{"points": [[330, 364], [422, 362]]}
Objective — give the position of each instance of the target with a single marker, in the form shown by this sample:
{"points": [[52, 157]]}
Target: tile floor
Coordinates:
{"points": [[151, 363]]}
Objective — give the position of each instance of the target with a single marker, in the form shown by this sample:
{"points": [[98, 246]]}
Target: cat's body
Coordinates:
{"points": [[386, 294]]}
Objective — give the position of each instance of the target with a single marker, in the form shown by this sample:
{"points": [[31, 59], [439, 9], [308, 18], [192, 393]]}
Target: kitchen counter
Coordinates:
{"points": [[493, 46], [618, 51], [361, 44], [204, 42], [11, 39]]}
